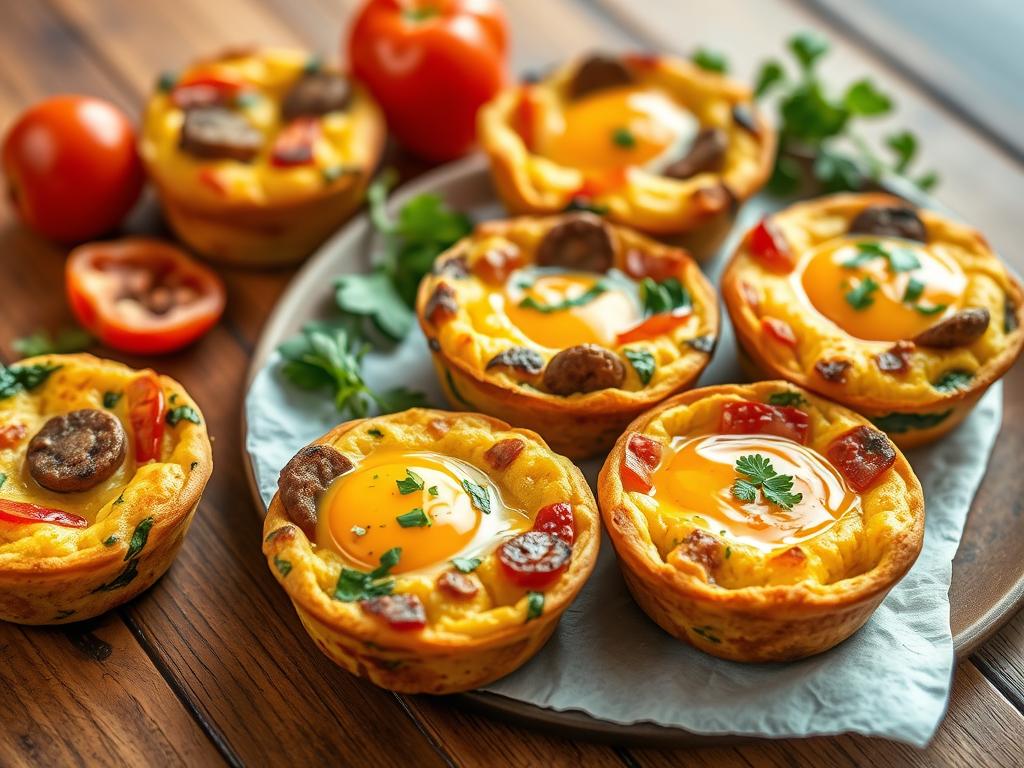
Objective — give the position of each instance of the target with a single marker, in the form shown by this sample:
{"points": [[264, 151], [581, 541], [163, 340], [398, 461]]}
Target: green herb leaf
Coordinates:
{"points": [[139, 538], [666, 296], [126, 577], [904, 146], [375, 296], [283, 566], [466, 564], [926, 182], [3, 479], [66, 341], [410, 483], [356, 585], [863, 98], [414, 518], [712, 61], [534, 605], [934, 309], [375, 433], [785, 398], [111, 399], [770, 75], [808, 48], [837, 172], [577, 301], [744, 490], [954, 380], [898, 423], [902, 260], [183, 413], [776, 488], [432, 490], [642, 362], [480, 496], [19, 378], [110, 541], [785, 178], [623, 137], [756, 467], [859, 297], [913, 290]]}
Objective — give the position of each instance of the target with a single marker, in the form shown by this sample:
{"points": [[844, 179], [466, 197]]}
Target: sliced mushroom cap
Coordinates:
{"points": [[581, 242], [597, 72], [316, 94], [705, 154], [518, 358], [76, 451], [963, 328], [216, 132], [304, 479], [889, 221], [583, 368]]}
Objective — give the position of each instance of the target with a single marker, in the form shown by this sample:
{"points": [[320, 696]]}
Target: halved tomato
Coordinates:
{"points": [[141, 295]]}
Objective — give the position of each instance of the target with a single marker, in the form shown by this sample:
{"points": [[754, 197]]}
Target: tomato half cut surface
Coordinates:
{"points": [[141, 295], [23, 513]]}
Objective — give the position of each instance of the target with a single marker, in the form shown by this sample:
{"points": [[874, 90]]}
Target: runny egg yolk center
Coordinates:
{"points": [[696, 476], [363, 512], [617, 127], [560, 310], [882, 289]]}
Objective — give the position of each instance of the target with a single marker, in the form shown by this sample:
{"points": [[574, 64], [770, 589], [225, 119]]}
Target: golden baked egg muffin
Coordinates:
{"points": [[655, 142], [101, 471], [259, 154], [567, 325], [759, 522], [901, 314], [431, 551]]}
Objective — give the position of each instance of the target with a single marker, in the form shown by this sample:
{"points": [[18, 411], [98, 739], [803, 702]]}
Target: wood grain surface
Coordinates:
{"points": [[211, 666]]}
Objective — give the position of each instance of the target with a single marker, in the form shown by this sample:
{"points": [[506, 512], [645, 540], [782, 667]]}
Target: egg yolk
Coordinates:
{"points": [[881, 289], [416, 501], [696, 476], [560, 310], [616, 127]]}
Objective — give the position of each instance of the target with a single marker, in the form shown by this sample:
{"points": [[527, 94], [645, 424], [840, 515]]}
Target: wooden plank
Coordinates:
{"points": [[981, 728], [88, 695]]}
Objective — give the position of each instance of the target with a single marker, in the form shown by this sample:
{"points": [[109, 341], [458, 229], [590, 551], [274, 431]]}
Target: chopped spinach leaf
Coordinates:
{"points": [[534, 605], [283, 566], [414, 518], [410, 483], [665, 296], [182, 413], [577, 301], [20, 378], [642, 362], [139, 538], [898, 423], [952, 381], [785, 398], [111, 399], [356, 585]]}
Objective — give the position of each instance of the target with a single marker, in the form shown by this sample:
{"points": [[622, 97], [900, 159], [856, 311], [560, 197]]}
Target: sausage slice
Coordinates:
{"points": [[961, 329], [581, 242], [889, 221], [76, 451], [596, 73], [705, 155], [219, 133], [305, 478], [316, 94], [583, 368]]}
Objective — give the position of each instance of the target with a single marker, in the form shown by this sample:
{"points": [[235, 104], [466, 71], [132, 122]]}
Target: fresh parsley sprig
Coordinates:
{"points": [[760, 474], [358, 585], [65, 341], [817, 126]]}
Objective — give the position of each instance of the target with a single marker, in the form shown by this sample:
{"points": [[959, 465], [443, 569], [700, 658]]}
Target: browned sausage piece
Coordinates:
{"points": [[889, 221], [76, 451], [705, 155], [316, 94], [581, 242], [583, 368], [503, 453], [833, 370], [519, 359], [596, 73], [305, 478], [441, 305], [218, 132], [961, 329]]}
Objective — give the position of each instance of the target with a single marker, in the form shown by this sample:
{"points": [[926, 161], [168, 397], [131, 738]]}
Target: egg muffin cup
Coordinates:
{"points": [[578, 396], [693, 199], [445, 626], [916, 387], [259, 155], [716, 591], [122, 533]]}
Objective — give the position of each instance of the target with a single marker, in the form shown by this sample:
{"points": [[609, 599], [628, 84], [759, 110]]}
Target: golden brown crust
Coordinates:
{"points": [[886, 398], [768, 621]]}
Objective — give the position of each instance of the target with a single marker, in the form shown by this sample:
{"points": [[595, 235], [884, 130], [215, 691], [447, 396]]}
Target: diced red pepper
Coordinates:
{"points": [[779, 330], [401, 612], [23, 513], [294, 144], [204, 89], [642, 456], [656, 325], [534, 559], [12, 434], [557, 519], [146, 412], [747, 418], [862, 455], [768, 245], [457, 584]]}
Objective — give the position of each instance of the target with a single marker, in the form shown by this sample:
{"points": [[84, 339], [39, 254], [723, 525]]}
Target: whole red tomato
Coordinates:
{"points": [[431, 64], [72, 168]]}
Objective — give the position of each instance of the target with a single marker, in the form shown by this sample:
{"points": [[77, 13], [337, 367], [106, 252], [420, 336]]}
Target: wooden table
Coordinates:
{"points": [[211, 666]]}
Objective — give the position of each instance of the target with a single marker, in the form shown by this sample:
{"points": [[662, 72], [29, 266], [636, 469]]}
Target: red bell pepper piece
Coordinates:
{"points": [[640, 459], [769, 246], [23, 513], [146, 413], [747, 418]]}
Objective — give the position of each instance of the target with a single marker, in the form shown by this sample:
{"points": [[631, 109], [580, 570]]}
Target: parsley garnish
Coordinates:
{"points": [[410, 483], [534, 605], [577, 301], [642, 362], [813, 121], [785, 398], [432, 490], [899, 259], [760, 474], [356, 585], [623, 137], [913, 290], [859, 297], [182, 413], [414, 518], [111, 399], [19, 378], [479, 495], [66, 340], [712, 61], [466, 564], [665, 296], [326, 355]]}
